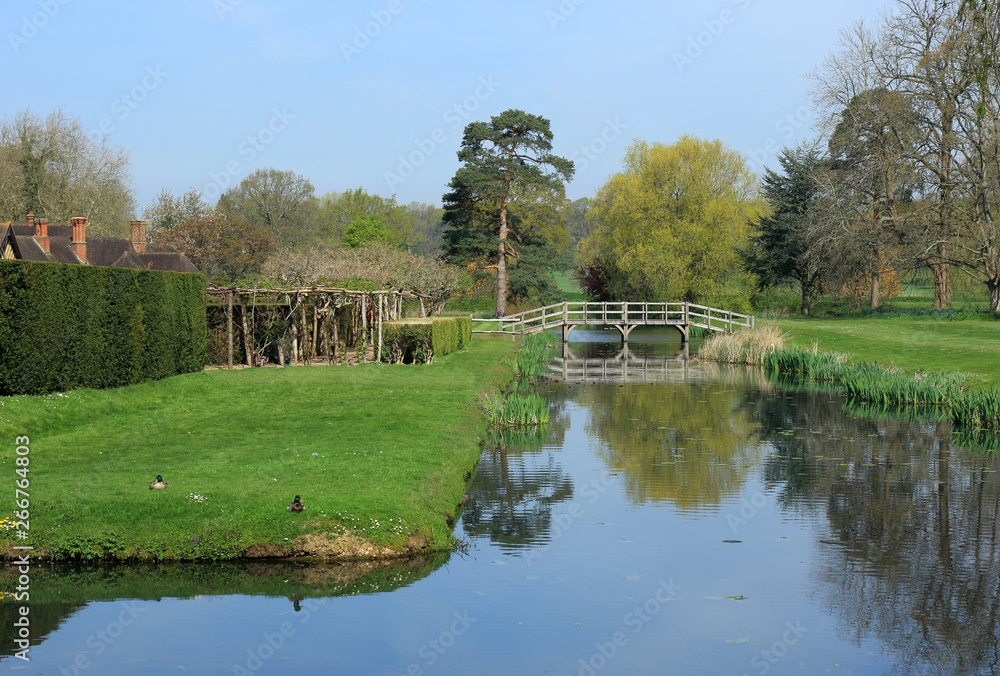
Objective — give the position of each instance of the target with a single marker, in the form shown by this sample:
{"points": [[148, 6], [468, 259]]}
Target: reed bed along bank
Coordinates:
{"points": [[519, 406], [867, 382]]}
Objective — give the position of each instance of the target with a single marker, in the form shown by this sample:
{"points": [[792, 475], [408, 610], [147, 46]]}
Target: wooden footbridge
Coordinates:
{"points": [[623, 316]]}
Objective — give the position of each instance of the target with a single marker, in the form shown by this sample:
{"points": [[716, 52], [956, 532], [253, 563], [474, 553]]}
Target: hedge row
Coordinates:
{"points": [[67, 326], [417, 341]]}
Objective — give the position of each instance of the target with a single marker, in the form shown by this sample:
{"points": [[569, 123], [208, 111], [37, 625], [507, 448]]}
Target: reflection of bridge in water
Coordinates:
{"points": [[626, 367]]}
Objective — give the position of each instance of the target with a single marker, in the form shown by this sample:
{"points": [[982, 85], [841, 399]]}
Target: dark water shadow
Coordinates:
{"points": [[58, 591]]}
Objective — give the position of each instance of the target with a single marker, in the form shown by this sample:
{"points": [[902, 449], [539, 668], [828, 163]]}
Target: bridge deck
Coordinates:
{"points": [[624, 316]]}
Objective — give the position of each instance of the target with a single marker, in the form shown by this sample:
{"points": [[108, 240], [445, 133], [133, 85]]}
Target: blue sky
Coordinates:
{"points": [[375, 94]]}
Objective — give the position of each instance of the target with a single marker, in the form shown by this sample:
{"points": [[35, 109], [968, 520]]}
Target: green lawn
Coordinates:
{"points": [[912, 344], [383, 451], [569, 287]]}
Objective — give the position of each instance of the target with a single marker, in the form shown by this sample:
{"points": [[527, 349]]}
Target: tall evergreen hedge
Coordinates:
{"points": [[417, 341], [67, 326]]}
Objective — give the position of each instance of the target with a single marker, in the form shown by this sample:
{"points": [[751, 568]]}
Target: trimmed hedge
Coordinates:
{"points": [[67, 326], [417, 341]]}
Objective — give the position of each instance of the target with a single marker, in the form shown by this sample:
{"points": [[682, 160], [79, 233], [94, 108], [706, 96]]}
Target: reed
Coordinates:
{"points": [[533, 354], [514, 410], [749, 346], [806, 362], [976, 410]]}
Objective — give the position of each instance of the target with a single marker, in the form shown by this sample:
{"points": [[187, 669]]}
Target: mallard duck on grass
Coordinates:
{"points": [[158, 482], [296, 505]]}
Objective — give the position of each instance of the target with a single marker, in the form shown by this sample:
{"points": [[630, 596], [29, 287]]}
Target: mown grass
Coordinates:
{"points": [[381, 450], [911, 344], [569, 287]]}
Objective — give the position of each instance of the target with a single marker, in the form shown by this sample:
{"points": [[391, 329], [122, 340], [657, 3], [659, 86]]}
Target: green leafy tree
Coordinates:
{"points": [[281, 202], [508, 156], [780, 250], [367, 230], [339, 210], [666, 228], [428, 228]]}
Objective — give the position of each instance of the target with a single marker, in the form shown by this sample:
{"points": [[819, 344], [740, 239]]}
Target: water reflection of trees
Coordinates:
{"points": [[689, 443], [512, 496], [913, 551], [59, 591]]}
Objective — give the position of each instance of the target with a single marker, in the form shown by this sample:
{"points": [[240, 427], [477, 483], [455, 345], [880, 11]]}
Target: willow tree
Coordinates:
{"points": [[507, 156], [668, 226]]}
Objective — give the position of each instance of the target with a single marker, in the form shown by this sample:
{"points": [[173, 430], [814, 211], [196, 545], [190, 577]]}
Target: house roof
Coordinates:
{"points": [[117, 252]]}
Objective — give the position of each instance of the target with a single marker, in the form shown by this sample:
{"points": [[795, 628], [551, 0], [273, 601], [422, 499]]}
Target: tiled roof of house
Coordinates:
{"points": [[28, 241]]}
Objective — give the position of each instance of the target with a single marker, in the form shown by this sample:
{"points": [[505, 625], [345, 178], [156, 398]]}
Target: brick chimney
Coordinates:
{"points": [[41, 231], [79, 241], [138, 237]]}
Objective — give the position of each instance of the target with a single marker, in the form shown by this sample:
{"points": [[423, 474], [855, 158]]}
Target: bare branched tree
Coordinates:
{"points": [[53, 168]]}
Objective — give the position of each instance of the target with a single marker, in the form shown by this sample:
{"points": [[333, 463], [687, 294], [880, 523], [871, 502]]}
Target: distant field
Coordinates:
{"points": [[568, 285]]}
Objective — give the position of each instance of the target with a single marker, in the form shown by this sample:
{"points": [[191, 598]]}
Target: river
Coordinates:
{"points": [[674, 518]]}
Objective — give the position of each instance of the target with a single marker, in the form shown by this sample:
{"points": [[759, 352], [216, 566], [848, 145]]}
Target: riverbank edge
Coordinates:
{"points": [[328, 546], [867, 382]]}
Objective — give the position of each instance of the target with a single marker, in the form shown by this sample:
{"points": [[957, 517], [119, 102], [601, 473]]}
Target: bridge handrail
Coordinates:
{"points": [[619, 312]]}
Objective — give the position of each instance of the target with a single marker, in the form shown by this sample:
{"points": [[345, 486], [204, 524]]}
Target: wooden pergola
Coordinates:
{"points": [[372, 308]]}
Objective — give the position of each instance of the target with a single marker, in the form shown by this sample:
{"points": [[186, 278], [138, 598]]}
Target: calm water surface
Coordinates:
{"points": [[675, 518]]}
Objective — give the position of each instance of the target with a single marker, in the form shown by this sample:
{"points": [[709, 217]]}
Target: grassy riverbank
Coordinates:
{"points": [[913, 344], [380, 455]]}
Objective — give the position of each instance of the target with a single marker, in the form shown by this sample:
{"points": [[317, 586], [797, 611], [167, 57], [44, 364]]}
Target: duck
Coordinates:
{"points": [[296, 505], [158, 482]]}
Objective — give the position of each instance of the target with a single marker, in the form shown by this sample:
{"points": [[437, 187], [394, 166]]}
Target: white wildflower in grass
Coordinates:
{"points": [[194, 497]]}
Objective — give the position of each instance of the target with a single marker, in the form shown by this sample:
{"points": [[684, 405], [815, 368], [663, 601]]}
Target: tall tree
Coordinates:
{"points": [[281, 202], [869, 149], [666, 227], [779, 248], [53, 168], [508, 155]]}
